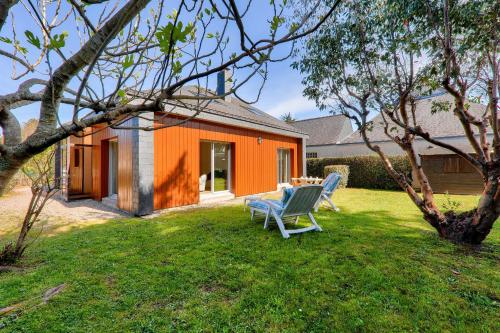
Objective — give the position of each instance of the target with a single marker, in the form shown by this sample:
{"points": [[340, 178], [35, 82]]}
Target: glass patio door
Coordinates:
{"points": [[284, 170], [215, 167]]}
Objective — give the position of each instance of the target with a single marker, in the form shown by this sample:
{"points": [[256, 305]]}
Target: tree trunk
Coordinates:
{"points": [[461, 228], [471, 227], [9, 166]]}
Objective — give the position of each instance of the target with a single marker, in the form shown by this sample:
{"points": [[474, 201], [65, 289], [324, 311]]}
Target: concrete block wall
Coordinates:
{"points": [[143, 166]]}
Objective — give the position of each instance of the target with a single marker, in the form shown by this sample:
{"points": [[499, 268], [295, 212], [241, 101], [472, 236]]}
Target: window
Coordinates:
{"points": [[284, 171], [215, 167], [456, 164], [312, 155], [77, 157]]}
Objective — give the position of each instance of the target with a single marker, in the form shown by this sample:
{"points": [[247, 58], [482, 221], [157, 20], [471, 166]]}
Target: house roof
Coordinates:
{"points": [[439, 125], [325, 130], [237, 110]]}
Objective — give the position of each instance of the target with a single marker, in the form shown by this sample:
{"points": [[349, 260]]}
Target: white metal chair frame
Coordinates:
{"points": [[327, 195], [301, 203]]}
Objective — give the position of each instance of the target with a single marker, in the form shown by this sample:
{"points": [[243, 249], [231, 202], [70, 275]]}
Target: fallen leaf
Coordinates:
{"points": [[52, 292]]}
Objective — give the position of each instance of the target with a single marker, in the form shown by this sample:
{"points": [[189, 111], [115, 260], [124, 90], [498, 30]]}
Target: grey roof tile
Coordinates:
{"points": [[237, 109], [325, 130], [438, 125]]}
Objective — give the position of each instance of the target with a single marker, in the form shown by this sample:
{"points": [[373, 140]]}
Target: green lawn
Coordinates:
{"points": [[376, 267]]}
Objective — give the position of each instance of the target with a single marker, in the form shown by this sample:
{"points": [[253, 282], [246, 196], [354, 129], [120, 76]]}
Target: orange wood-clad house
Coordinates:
{"points": [[230, 149]]}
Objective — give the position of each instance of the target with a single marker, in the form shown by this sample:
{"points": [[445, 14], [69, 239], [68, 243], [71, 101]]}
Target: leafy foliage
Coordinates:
{"points": [[342, 170], [58, 41], [364, 171], [288, 118], [169, 35], [32, 39]]}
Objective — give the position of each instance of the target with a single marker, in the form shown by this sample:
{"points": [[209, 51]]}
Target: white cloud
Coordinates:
{"points": [[296, 105]]}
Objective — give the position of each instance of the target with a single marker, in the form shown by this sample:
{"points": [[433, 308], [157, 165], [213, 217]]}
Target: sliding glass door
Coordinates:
{"points": [[284, 170], [215, 167]]}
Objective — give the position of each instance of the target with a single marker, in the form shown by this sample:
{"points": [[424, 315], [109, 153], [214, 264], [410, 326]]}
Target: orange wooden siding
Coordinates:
{"points": [[99, 164], [177, 160]]}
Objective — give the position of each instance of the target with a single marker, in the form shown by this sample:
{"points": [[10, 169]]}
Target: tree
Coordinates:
{"points": [[122, 59], [379, 58], [40, 170], [288, 118]]}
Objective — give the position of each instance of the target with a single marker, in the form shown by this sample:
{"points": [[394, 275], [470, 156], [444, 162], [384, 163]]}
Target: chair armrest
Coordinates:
{"points": [[272, 204]]}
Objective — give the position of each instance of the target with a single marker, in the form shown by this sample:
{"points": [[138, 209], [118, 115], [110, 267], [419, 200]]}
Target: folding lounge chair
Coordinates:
{"points": [[297, 201], [330, 184]]}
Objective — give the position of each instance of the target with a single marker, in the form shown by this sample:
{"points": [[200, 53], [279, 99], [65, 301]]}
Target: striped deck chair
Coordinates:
{"points": [[296, 202], [330, 184]]}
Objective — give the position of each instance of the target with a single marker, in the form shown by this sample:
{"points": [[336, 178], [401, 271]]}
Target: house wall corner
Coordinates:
{"points": [[143, 166]]}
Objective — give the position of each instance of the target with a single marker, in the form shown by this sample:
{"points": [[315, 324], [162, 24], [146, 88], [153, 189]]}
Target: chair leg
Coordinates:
{"points": [[317, 204], [332, 204], [266, 221], [252, 213], [313, 221], [281, 225], [296, 220]]}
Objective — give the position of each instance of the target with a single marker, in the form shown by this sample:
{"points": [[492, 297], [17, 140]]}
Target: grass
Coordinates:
{"points": [[220, 184], [376, 267]]}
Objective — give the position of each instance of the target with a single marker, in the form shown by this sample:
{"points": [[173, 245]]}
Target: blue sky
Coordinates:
{"points": [[282, 93]]}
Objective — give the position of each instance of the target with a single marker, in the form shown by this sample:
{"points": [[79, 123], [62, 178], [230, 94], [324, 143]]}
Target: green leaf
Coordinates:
{"points": [[128, 61], [169, 35], [276, 22], [6, 40], [123, 96], [58, 41], [294, 27], [210, 35], [32, 39], [176, 67], [20, 48]]}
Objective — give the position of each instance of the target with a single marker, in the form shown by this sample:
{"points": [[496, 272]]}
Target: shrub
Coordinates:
{"points": [[364, 171], [342, 170]]}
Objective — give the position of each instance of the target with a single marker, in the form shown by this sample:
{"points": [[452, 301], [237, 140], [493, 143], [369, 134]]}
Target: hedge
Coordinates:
{"points": [[364, 171], [342, 170]]}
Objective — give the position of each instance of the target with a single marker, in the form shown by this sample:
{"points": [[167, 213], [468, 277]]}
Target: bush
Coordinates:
{"points": [[364, 171], [342, 170]]}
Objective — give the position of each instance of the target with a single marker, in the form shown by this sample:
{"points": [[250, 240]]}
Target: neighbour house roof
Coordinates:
{"points": [[439, 125], [325, 130], [234, 109]]}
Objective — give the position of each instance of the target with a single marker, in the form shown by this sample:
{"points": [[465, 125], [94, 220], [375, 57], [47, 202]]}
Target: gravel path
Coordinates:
{"points": [[57, 214]]}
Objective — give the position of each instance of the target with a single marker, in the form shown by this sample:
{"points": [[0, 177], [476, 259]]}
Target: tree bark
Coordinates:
{"points": [[5, 6], [472, 227], [13, 152], [9, 166]]}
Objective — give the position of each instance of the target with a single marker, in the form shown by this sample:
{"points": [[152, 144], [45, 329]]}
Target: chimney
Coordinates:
{"points": [[224, 83]]}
